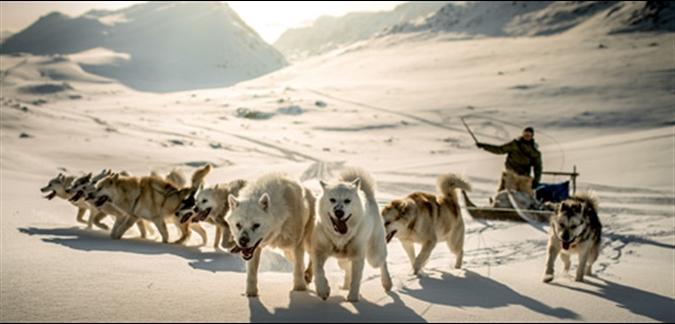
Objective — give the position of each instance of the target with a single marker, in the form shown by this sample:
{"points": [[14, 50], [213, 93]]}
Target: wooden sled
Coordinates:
{"points": [[519, 203]]}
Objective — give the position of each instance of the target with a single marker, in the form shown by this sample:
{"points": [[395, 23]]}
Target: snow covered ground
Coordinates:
{"points": [[392, 106]]}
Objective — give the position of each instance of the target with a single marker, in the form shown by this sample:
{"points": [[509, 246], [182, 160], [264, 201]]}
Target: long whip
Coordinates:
{"points": [[468, 129]]}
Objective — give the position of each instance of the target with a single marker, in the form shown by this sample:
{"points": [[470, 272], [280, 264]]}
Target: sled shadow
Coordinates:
{"points": [[656, 307], [92, 240], [469, 291], [307, 307]]}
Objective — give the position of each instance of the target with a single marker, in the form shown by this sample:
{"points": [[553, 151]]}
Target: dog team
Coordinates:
{"points": [[343, 222]]}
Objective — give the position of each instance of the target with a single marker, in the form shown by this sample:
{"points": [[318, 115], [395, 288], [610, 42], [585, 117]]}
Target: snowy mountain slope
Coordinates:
{"points": [[328, 33], [171, 46], [538, 18]]}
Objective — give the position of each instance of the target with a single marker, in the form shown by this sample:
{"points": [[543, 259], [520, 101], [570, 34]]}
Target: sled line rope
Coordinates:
{"points": [[509, 209], [562, 153], [527, 219]]}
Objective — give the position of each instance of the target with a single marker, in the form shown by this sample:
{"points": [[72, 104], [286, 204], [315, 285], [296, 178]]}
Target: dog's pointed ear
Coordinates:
{"points": [[88, 177], [264, 202], [232, 200], [115, 176], [357, 183], [400, 206], [323, 184], [560, 207]]}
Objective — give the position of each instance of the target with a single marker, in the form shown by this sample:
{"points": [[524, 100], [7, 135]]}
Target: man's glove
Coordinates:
{"points": [[534, 185]]}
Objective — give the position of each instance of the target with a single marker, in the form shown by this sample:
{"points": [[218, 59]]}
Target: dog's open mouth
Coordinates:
{"points": [[390, 236], [51, 195], [247, 253], [201, 216], [77, 195], [568, 244], [186, 216], [340, 225], [100, 201]]}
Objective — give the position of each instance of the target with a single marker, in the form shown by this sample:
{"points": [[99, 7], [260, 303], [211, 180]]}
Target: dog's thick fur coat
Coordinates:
{"points": [[274, 211], [151, 198], [349, 227], [575, 229], [426, 219]]}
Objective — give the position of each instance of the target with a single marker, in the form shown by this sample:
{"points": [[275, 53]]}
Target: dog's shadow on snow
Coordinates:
{"points": [[470, 291], [95, 240], [659, 308], [307, 307]]}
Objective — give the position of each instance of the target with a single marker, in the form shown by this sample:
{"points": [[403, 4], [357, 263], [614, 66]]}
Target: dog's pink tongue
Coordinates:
{"points": [[566, 245], [340, 226], [185, 218]]}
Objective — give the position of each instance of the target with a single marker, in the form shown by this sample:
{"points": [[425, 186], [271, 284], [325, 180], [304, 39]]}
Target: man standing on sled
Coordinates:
{"points": [[522, 156]]}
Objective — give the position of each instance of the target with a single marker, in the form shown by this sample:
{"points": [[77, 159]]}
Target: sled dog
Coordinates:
{"points": [[274, 211], [575, 229], [151, 198], [349, 227], [58, 186], [211, 204], [426, 219]]}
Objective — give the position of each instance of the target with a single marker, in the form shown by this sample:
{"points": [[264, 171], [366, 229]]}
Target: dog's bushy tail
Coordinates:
{"points": [[590, 197], [447, 183], [177, 177], [367, 182], [235, 186], [199, 174]]}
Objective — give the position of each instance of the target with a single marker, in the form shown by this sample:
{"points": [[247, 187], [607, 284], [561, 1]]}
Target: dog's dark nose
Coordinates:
{"points": [[243, 241], [339, 213], [565, 236]]}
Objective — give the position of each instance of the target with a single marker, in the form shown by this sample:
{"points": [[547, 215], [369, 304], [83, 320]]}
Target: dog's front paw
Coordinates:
{"points": [[300, 286], [352, 297], [579, 278], [252, 292], [548, 278], [322, 290], [386, 284]]}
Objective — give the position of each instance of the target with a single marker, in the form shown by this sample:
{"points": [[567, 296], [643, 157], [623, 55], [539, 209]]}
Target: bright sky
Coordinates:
{"points": [[269, 18]]}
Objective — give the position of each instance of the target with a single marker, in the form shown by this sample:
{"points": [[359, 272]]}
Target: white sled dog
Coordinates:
{"points": [[426, 219], [211, 205], [274, 211], [575, 229], [349, 227]]}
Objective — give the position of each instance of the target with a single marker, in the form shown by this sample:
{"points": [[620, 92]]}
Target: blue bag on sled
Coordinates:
{"points": [[552, 192]]}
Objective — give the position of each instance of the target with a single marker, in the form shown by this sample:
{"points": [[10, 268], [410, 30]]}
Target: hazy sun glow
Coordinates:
{"points": [[271, 18]]}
